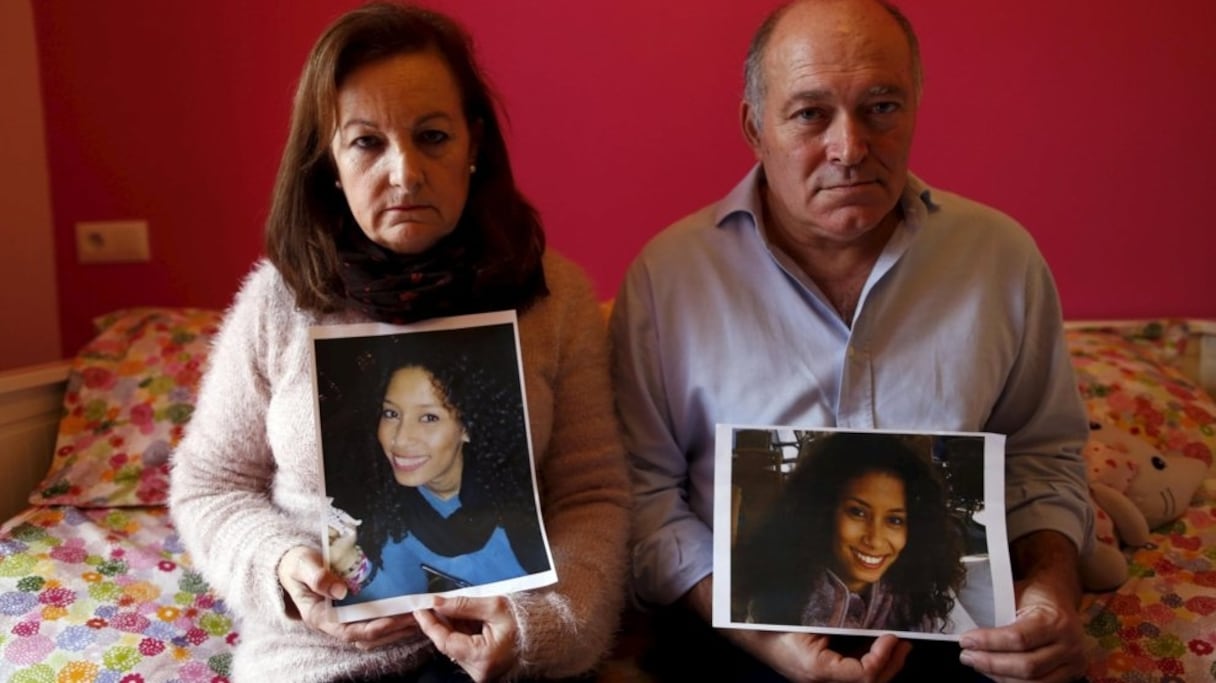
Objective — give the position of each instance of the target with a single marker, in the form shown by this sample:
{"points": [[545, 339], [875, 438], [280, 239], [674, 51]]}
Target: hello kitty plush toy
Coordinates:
{"points": [[1134, 488]]}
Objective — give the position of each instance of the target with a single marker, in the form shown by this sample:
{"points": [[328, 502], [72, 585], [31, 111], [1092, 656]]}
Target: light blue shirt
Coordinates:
{"points": [[958, 329], [402, 572]]}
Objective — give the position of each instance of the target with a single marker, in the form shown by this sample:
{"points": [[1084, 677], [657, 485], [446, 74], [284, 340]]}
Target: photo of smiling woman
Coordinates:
{"points": [[426, 450], [860, 537]]}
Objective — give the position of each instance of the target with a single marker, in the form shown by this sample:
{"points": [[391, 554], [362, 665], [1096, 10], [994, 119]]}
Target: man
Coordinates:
{"points": [[833, 288]]}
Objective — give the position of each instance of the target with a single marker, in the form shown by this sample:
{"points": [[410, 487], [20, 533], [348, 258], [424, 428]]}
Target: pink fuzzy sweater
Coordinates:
{"points": [[247, 474]]}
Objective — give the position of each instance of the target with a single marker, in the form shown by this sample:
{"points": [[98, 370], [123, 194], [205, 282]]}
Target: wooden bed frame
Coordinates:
{"points": [[30, 403], [30, 400], [1199, 362], [30, 412]]}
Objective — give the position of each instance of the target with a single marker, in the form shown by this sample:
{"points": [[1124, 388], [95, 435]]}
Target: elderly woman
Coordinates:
{"points": [[395, 202]]}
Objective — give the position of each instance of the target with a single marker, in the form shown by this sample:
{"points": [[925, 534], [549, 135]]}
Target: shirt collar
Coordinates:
{"points": [[917, 202], [744, 199]]}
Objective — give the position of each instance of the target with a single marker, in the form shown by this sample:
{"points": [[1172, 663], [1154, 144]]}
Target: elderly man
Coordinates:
{"points": [[831, 287]]}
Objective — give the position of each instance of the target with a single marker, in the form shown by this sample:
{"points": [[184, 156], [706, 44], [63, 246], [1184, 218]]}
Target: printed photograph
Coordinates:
{"points": [[428, 463], [859, 532]]}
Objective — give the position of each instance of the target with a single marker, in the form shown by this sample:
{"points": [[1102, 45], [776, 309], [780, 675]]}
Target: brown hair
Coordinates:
{"points": [[308, 211]]}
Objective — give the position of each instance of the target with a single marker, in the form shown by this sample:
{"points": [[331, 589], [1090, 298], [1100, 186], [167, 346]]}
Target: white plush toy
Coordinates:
{"points": [[1135, 489], [346, 558]]}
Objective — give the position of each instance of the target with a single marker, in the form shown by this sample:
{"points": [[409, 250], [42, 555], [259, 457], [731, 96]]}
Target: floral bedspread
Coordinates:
{"points": [[106, 595], [1160, 626]]}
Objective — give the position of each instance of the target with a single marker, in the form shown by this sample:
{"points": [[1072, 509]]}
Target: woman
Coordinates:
{"points": [[440, 479], [890, 560], [395, 202]]}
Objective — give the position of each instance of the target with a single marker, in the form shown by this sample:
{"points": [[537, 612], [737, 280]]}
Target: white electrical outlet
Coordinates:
{"points": [[112, 241]]}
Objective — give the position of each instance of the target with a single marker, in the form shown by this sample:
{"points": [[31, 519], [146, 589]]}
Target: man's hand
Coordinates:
{"points": [[1044, 643], [477, 633], [309, 585], [806, 657]]}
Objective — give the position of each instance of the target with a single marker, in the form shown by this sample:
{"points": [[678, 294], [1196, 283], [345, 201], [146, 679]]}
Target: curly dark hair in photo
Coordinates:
{"points": [[496, 481], [776, 563]]}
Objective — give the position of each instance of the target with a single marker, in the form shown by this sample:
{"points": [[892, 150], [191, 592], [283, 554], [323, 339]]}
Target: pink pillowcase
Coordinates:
{"points": [[130, 393]]}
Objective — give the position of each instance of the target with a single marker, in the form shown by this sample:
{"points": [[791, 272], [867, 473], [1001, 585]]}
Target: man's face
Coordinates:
{"points": [[835, 129]]}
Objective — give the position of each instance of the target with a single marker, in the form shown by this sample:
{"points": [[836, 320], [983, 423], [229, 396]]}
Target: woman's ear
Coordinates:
{"points": [[464, 436]]}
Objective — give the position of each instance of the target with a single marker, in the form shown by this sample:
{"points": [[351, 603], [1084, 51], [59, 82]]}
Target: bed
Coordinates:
{"points": [[95, 586]]}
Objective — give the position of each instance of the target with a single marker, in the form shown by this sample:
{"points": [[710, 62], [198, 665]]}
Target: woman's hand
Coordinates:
{"points": [[310, 584], [476, 633]]}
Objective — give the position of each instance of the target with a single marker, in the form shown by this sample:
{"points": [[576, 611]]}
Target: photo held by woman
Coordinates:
{"points": [[427, 463]]}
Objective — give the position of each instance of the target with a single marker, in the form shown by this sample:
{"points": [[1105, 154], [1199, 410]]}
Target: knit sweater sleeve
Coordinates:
{"points": [[565, 629], [222, 471]]}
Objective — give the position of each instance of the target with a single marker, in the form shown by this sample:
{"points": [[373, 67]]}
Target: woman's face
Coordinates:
{"points": [[422, 437], [871, 528], [403, 149]]}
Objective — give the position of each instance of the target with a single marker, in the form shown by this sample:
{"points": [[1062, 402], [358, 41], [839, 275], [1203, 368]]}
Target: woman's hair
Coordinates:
{"points": [[776, 564], [308, 211], [496, 477]]}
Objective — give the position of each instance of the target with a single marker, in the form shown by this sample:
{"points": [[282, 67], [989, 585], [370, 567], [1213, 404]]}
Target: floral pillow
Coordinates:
{"points": [[1129, 376], [130, 393]]}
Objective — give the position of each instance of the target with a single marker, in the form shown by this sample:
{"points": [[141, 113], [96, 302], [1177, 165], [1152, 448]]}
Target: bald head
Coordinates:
{"points": [[859, 16]]}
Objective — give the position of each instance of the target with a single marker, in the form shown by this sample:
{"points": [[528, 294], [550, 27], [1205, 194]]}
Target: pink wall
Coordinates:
{"points": [[27, 273], [1089, 122]]}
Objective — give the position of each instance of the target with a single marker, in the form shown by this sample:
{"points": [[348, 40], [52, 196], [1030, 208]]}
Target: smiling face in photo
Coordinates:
{"points": [[403, 150], [871, 525], [422, 436]]}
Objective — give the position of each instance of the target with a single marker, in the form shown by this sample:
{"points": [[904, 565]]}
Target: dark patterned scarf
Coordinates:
{"points": [[444, 280], [466, 530]]}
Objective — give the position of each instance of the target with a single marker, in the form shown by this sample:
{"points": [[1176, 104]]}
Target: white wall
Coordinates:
{"points": [[29, 304]]}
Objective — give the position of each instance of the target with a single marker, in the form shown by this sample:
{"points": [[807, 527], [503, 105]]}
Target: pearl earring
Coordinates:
{"points": [[472, 168]]}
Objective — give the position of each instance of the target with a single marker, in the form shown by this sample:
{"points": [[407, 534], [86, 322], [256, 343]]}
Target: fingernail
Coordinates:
{"points": [[966, 644], [965, 658], [338, 592]]}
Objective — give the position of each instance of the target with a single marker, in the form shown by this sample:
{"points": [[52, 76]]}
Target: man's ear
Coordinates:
{"points": [[747, 122]]}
